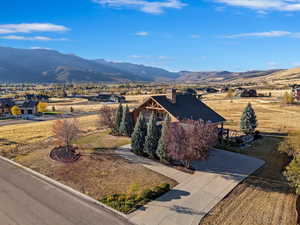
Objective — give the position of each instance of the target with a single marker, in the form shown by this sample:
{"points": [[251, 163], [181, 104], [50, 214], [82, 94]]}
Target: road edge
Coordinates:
{"points": [[66, 188]]}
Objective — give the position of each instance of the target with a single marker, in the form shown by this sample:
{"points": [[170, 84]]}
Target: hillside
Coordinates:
{"points": [[222, 76], [41, 65]]}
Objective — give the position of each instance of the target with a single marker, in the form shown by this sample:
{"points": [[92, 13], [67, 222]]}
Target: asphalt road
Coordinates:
{"points": [[28, 200]]}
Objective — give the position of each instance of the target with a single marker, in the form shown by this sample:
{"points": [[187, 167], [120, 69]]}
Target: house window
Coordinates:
{"points": [[30, 111]]}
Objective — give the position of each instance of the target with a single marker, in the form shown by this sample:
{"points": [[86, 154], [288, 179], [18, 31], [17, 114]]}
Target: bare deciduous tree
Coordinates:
{"points": [[66, 131], [190, 140], [107, 117]]}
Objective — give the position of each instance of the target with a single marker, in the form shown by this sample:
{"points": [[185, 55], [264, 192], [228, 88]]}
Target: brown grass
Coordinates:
{"points": [[28, 133], [98, 174], [271, 115], [263, 198]]}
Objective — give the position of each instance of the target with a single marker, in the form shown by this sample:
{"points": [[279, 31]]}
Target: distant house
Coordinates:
{"points": [[179, 107], [5, 105], [108, 98], [243, 92], [210, 90], [28, 107], [296, 92], [38, 98]]}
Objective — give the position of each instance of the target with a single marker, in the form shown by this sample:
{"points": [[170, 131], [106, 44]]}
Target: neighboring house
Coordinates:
{"points": [[179, 107], [210, 90], [243, 92], [38, 98], [28, 107], [108, 98], [5, 106], [296, 92]]}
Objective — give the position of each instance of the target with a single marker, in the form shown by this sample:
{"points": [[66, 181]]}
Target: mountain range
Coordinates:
{"points": [[42, 65], [47, 66]]}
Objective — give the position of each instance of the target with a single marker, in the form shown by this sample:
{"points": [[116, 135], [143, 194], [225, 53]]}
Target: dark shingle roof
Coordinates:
{"points": [[189, 107], [6, 102], [29, 104]]}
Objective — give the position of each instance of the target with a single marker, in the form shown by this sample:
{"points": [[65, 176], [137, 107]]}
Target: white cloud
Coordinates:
{"points": [[142, 33], [137, 56], [147, 6], [278, 5], [38, 48], [265, 34], [195, 36], [31, 28], [34, 38]]}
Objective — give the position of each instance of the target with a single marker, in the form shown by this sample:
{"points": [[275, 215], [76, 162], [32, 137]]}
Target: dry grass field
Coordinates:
{"points": [[22, 134], [262, 199], [271, 114]]}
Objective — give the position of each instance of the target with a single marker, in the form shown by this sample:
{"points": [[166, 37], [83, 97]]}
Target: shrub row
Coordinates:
{"points": [[127, 203]]}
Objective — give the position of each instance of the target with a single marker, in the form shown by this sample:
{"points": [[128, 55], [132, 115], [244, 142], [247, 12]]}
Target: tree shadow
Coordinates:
{"points": [[173, 195], [186, 210]]}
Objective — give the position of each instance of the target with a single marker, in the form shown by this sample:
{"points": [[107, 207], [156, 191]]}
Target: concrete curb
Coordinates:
{"points": [[66, 188]]}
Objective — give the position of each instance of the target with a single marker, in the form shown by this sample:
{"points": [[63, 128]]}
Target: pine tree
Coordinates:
{"points": [[118, 119], [248, 120], [138, 136], [126, 125], [161, 150], [152, 137]]}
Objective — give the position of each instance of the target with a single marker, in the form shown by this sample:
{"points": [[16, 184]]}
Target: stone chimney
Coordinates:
{"points": [[171, 95]]}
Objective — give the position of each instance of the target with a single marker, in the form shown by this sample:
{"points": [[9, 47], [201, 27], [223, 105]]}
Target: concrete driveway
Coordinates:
{"points": [[28, 200], [196, 194]]}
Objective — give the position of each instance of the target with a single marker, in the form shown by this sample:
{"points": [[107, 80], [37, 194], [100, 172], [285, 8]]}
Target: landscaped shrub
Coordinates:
{"points": [[161, 151], [248, 120], [138, 136], [152, 137], [126, 203], [126, 125]]}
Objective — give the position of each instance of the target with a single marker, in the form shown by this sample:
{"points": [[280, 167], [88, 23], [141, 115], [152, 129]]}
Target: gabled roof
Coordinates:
{"points": [[29, 104], [188, 107]]}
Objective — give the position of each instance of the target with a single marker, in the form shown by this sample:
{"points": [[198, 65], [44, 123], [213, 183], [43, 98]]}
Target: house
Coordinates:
{"points": [[210, 90], [28, 107], [108, 98], [39, 98], [179, 107], [5, 106], [243, 92], [296, 92]]}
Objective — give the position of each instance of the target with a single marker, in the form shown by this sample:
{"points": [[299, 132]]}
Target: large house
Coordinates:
{"points": [[37, 98], [28, 107], [179, 107], [5, 106]]}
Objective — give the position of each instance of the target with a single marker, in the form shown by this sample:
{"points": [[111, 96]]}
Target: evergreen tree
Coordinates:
{"points": [[248, 120], [138, 136], [292, 174], [152, 137], [161, 150], [118, 119], [126, 125]]}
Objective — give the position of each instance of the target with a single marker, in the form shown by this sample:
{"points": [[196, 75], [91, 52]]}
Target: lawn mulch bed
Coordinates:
{"points": [[64, 154]]}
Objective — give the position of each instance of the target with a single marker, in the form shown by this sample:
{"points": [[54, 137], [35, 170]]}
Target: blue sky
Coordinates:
{"points": [[197, 35]]}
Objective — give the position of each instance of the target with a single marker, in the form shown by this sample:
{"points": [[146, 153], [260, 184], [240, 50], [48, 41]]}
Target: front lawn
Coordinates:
{"points": [[98, 173]]}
